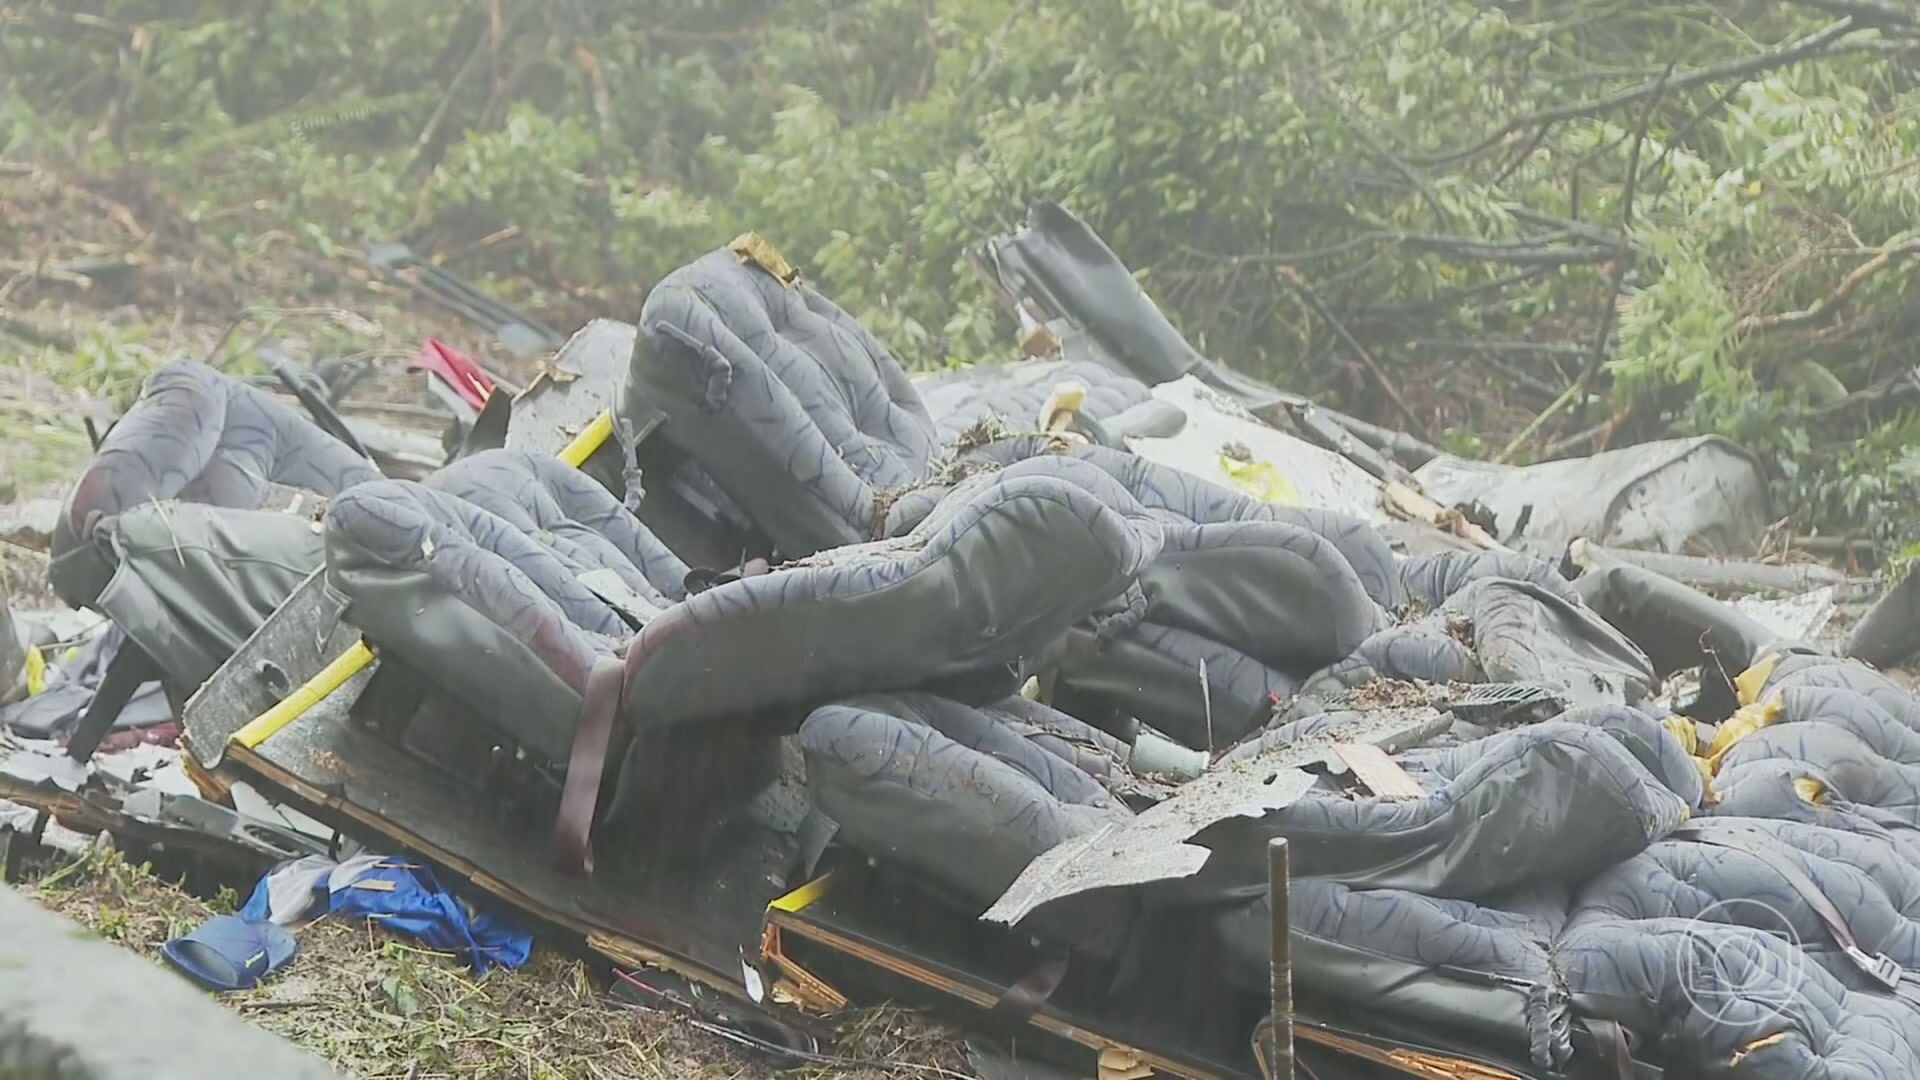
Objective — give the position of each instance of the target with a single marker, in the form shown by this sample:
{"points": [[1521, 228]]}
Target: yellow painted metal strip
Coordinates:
{"points": [[584, 444], [348, 664], [343, 667], [804, 895]]}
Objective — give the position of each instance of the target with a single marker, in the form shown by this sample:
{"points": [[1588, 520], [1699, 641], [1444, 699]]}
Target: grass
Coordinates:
{"points": [[377, 1007]]}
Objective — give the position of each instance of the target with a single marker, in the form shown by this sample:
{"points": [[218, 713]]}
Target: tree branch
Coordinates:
{"points": [[1612, 308], [1299, 284], [1859, 276], [1870, 12], [1791, 53]]}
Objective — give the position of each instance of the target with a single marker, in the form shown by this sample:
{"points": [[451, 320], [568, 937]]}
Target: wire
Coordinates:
{"points": [[812, 1057]]}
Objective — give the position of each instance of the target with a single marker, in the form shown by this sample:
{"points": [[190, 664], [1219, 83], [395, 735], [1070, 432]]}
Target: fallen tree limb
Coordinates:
{"points": [[1793, 52], [1870, 12], [1729, 575], [1609, 312], [1890, 632], [1299, 285], [1857, 277]]}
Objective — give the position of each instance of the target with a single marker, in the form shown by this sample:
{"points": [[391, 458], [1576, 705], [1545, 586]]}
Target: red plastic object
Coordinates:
{"points": [[456, 369]]}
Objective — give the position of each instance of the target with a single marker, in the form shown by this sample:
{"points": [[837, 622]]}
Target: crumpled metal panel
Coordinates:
{"points": [[1223, 443], [301, 637], [584, 380], [1700, 495], [1801, 617], [1153, 845]]}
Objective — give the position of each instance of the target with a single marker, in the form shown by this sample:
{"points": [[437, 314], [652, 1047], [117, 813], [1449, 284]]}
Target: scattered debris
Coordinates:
{"points": [[1675, 496]]}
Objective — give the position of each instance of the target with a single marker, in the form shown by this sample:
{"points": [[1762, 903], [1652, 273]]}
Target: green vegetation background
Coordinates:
{"points": [[1531, 227]]}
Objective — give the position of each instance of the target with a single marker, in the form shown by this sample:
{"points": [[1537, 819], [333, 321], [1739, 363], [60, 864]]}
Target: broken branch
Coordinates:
{"points": [[1791, 53], [1611, 309], [1299, 285], [1859, 276]]}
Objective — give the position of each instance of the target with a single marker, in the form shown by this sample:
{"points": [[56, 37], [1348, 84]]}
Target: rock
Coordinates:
{"points": [[29, 524]]}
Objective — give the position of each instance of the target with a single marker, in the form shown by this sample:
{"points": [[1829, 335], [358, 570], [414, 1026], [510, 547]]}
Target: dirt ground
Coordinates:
{"points": [[101, 283]]}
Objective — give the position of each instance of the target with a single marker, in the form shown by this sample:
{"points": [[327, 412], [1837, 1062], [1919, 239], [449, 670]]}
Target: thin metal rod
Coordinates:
{"points": [[1281, 962]]}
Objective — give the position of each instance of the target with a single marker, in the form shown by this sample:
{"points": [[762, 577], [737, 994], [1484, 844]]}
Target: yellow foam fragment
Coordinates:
{"points": [[36, 671], [1757, 1044], [1748, 684], [1745, 721], [1708, 796], [1062, 405], [753, 248], [1683, 728], [1810, 790]]}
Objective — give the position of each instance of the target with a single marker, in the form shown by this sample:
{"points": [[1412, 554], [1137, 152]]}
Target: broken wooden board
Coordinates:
{"points": [[1403, 501], [976, 966], [691, 922], [1377, 772]]}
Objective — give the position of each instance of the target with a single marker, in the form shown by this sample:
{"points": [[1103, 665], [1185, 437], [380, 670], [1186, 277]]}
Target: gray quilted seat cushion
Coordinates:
{"points": [[1552, 802], [507, 600], [1847, 762], [1008, 563], [1875, 887], [801, 416], [1710, 998], [1231, 616], [1657, 749], [1710, 957], [1805, 669], [1482, 972], [1722, 1000], [178, 529], [807, 423], [194, 435], [1880, 729], [1246, 600], [966, 796], [1849, 729], [1429, 580], [571, 515], [1180, 496]]}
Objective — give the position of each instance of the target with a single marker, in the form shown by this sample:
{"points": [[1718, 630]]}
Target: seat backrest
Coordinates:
{"points": [[571, 515], [1183, 496], [199, 436], [488, 579], [1004, 566], [799, 413]]}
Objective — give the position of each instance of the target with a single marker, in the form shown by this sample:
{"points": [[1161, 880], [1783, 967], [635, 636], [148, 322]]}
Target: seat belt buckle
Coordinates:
{"points": [[1881, 968]]}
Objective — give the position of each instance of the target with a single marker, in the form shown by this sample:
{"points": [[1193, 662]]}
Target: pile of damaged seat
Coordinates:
{"points": [[991, 630]]}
